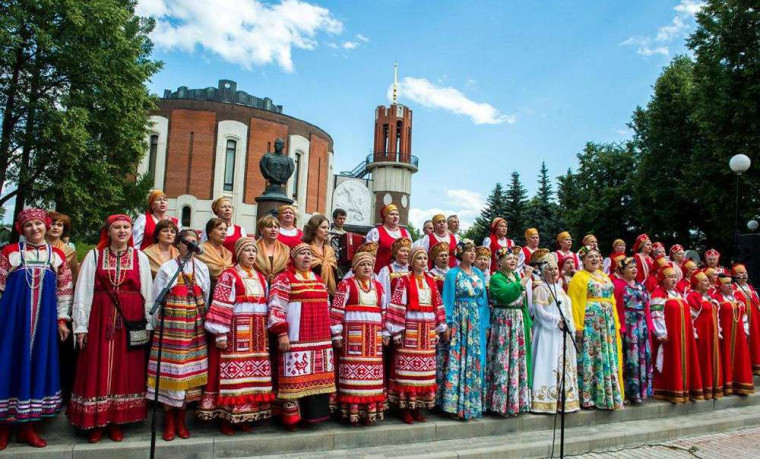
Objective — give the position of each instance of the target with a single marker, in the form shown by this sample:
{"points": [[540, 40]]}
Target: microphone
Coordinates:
{"points": [[192, 247]]}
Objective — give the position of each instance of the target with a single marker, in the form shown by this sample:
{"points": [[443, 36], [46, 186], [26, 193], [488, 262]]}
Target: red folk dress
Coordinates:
{"points": [[110, 383], [704, 316], [239, 387], [415, 318], [357, 320], [645, 265], [677, 375], [747, 295], [737, 368], [384, 241], [291, 240]]}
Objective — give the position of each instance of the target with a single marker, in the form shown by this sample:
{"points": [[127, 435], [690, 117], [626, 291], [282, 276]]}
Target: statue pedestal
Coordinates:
{"points": [[268, 205]]}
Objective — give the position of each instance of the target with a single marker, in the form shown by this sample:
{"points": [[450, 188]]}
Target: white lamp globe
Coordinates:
{"points": [[752, 225], [739, 163]]}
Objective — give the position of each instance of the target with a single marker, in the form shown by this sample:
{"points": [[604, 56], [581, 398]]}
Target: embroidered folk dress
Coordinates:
{"points": [[385, 238], [600, 361], [298, 308], [547, 346], [415, 319], [747, 295], [239, 387], [389, 276], [509, 369], [357, 321], [184, 364], [704, 316], [468, 316], [145, 227], [36, 287], [677, 376], [633, 300], [737, 367], [109, 386]]}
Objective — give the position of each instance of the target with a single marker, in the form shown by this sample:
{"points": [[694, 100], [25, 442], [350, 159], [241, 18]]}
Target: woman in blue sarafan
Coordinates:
{"points": [[37, 288], [468, 317]]}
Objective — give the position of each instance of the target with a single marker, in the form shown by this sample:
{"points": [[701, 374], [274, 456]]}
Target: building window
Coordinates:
{"points": [[297, 174], [399, 130], [385, 138], [229, 165], [186, 216], [152, 156]]}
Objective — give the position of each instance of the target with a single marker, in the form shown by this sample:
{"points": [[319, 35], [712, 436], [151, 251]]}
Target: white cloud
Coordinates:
{"points": [[428, 94], [350, 45], [465, 203], [362, 38], [679, 28], [246, 32]]}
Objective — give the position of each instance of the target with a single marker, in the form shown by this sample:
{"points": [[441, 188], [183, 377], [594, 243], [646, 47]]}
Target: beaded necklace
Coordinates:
{"points": [[420, 280], [366, 287], [33, 275], [119, 274]]}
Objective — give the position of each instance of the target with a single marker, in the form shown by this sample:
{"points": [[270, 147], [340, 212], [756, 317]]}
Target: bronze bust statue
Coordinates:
{"points": [[276, 168]]}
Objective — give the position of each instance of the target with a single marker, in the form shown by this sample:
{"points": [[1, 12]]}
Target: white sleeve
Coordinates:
{"points": [[243, 233], [204, 281], [545, 311], [521, 261], [138, 230], [385, 280], [486, 242], [418, 242], [606, 265], [162, 278], [83, 293], [373, 235], [146, 284], [658, 319]]}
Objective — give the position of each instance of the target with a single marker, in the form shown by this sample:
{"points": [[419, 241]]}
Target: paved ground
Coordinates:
{"points": [[734, 445]]}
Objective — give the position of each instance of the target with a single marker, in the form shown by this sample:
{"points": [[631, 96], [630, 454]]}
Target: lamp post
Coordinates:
{"points": [[739, 164], [753, 225]]}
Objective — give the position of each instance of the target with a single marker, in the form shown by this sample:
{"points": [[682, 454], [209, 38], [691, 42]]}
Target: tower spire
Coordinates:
{"points": [[395, 82]]}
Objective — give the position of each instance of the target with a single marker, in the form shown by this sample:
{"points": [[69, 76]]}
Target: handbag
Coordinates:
{"points": [[137, 332]]}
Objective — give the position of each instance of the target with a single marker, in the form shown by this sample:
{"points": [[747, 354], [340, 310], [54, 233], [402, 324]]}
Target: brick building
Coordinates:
{"points": [[206, 143]]}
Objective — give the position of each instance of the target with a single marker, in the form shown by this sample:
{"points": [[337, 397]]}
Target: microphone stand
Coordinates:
{"points": [[160, 304], [565, 333]]}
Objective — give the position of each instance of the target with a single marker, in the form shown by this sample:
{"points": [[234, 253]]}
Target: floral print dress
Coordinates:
{"points": [[636, 345]]}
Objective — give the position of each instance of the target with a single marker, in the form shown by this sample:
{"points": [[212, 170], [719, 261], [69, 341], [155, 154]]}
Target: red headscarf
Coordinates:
{"points": [[30, 214], [639, 242], [105, 239]]}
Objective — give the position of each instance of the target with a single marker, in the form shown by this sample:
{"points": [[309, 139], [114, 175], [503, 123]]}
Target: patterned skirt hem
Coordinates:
{"points": [[233, 418]]}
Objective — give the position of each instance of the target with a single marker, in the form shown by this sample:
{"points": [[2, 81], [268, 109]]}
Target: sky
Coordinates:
{"points": [[495, 86]]}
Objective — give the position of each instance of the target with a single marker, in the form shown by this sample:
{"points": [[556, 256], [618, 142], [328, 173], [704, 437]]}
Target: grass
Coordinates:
{"points": [[82, 249]]}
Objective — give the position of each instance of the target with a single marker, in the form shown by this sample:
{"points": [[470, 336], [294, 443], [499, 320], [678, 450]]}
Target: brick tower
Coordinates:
{"points": [[391, 162]]}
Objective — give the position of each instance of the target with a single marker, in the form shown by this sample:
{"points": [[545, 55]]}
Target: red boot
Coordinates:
{"points": [[27, 434], [418, 416], [406, 416], [246, 427], [169, 427], [182, 429], [95, 435], [5, 433], [115, 433], [226, 428]]}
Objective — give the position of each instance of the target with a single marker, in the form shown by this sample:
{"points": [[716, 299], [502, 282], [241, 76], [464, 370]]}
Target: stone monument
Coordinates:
{"points": [[276, 168]]}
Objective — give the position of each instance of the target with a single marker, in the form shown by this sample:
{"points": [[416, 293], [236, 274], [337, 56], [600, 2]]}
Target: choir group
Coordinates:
{"points": [[262, 328]]}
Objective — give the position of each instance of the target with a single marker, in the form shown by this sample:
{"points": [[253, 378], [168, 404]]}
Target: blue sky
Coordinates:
{"points": [[495, 86]]}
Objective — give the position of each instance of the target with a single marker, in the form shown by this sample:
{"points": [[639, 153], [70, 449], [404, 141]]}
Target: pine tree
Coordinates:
{"points": [[516, 201], [542, 210], [495, 205]]}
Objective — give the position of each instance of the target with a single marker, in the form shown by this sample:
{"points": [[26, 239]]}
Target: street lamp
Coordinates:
{"points": [[753, 225], [739, 164]]}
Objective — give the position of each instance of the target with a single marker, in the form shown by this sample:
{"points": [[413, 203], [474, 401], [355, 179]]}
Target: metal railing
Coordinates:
{"points": [[361, 170]]}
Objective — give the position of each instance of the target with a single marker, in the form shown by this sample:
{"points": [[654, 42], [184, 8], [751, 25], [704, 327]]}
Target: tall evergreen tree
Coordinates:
{"points": [[495, 206], [516, 201], [543, 211]]}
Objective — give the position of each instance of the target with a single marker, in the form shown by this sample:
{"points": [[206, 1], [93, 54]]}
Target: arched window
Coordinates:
{"points": [[152, 156], [297, 174], [229, 165], [186, 216]]}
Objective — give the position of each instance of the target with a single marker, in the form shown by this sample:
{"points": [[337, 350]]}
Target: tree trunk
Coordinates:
{"points": [[9, 118]]}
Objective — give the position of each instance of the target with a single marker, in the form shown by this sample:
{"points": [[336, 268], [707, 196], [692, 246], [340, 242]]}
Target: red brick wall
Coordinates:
{"points": [[190, 154], [316, 195], [260, 133]]}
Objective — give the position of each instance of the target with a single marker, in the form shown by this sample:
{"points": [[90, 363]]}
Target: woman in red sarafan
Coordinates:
{"points": [[737, 368], [357, 322], [644, 262], [109, 387], [747, 295], [144, 227], [704, 315], [677, 377]]}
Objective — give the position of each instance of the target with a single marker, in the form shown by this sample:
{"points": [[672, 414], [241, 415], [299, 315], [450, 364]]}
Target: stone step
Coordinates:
{"points": [[269, 439]]}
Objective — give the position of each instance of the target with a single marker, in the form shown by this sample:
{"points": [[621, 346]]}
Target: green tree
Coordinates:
{"points": [[75, 112], [542, 210], [516, 202], [414, 232], [495, 207]]}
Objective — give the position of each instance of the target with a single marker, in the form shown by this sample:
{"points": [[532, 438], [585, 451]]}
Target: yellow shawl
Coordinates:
{"points": [[327, 264], [280, 259], [153, 252], [578, 293], [217, 260]]}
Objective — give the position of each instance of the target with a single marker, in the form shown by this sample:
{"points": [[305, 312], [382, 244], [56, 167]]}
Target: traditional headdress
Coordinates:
{"points": [[242, 243], [439, 248], [658, 246], [400, 243], [735, 268], [641, 240], [152, 196], [622, 262], [285, 207], [616, 242], [495, 223], [712, 253], [437, 218], [385, 210], [28, 214], [665, 270], [302, 247], [542, 256], [416, 251], [217, 203], [688, 264], [618, 259], [104, 238], [464, 244], [530, 232], [361, 257], [482, 251], [697, 277], [502, 252], [675, 249], [710, 272], [367, 247], [562, 236], [585, 250], [723, 279]]}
